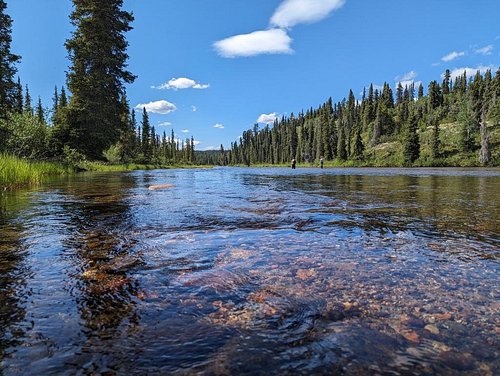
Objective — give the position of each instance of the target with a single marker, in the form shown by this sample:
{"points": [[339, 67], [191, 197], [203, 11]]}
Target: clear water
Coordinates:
{"points": [[253, 271]]}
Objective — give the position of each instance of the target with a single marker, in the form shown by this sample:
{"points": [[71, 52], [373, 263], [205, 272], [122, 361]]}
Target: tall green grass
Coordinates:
{"points": [[15, 172]]}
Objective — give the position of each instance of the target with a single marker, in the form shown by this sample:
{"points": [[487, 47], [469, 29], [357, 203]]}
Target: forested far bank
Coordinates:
{"points": [[456, 123]]}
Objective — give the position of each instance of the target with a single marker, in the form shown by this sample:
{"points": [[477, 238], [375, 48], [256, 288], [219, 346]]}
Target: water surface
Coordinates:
{"points": [[253, 271]]}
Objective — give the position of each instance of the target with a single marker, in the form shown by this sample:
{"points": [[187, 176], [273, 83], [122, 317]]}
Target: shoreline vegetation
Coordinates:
{"points": [[19, 172]]}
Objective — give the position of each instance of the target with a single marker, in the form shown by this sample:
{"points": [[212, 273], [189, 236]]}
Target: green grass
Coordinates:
{"points": [[16, 172]]}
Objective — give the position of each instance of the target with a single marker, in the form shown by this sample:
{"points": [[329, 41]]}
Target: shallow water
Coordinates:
{"points": [[253, 271]]}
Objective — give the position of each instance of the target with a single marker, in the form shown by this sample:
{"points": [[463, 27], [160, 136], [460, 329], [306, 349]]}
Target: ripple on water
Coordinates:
{"points": [[253, 272]]}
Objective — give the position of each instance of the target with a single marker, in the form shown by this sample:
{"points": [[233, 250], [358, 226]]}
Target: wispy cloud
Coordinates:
{"points": [[165, 124], [267, 118], [469, 71], [452, 56], [273, 41], [193, 108], [486, 50], [409, 76], [185, 131], [293, 12], [181, 83], [162, 107], [276, 39], [219, 126]]}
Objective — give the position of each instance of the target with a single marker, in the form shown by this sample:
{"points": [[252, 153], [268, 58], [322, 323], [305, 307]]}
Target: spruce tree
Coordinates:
{"points": [[27, 102], [55, 105], [146, 140], [97, 75], [19, 99], [412, 144], [39, 112], [7, 64], [420, 91]]}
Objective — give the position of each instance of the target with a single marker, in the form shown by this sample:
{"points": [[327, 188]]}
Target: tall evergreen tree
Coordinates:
{"points": [[97, 75], [7, 63], [412, 144], [55, 105], [146, 136], [39, 112], [27, 101], [19, 99]]}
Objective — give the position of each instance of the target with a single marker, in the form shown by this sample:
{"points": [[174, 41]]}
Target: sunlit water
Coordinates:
{"points": [[253, 271]]}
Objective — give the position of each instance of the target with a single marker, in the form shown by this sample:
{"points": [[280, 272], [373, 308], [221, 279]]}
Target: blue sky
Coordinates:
{"points": [[213, 68]]}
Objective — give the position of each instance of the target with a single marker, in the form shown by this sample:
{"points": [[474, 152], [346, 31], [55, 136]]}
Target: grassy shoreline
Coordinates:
{"points": [[16, 172]]}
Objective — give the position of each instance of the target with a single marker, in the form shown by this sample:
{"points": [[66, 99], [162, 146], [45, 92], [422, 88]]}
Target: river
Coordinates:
{"points": [[242, 271]]}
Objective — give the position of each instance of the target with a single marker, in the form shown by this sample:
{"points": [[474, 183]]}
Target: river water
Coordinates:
{"points": [[253, 271]]}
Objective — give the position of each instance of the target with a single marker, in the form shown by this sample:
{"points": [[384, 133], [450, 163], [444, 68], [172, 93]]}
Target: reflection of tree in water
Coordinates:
{"points": [[13, 275], [104, 255]]}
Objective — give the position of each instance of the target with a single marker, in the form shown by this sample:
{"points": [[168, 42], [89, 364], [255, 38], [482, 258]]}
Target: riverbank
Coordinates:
{"points": [[16, 172]]}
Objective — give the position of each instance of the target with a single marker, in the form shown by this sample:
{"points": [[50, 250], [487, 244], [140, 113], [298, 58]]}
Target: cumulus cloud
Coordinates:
{"points": [[453, 55], [469, 71], [181, 83], [162, 107], [293, 12], [267, 118], [185, 131], [219, 126], [196, 142], [486, 50], [406, 77], [273, 41]]}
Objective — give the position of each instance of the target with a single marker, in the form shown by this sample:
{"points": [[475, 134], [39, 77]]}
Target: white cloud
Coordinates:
{"points": [[193, 108], [219, 126], [158, 107], [293, 12], [196, 142], [409, 76], [267, 118], [211, 147], [273, 41], [469, 71], [181, 83], [185, 131], [164, 124], [486, 50], [453, 55]]}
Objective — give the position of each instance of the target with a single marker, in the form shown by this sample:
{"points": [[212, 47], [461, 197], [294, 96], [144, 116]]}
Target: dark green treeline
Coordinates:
{"points": [[93, 121], [456, 123]]}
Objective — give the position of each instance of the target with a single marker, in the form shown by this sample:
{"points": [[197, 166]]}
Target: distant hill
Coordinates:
{"points": [[455, 123]]}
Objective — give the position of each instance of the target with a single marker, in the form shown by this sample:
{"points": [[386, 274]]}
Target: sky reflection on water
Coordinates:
{"points": [[253, 271]]}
